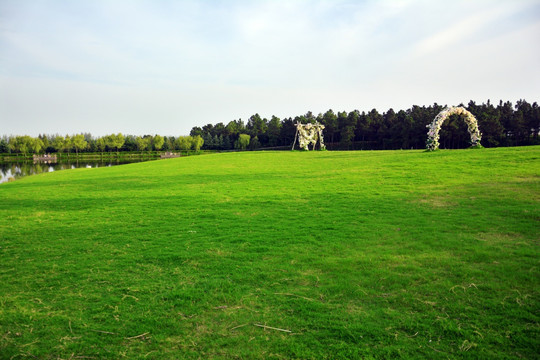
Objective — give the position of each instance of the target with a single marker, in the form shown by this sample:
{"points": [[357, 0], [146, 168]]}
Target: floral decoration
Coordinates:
{"points": [[435, 126], [309, 134]]}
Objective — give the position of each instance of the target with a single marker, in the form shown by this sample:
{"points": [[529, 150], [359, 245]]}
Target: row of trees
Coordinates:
{"points": [[501, 125], [87, 143]]}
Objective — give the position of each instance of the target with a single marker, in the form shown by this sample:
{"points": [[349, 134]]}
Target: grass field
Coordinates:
{"points": [[276, 255]]}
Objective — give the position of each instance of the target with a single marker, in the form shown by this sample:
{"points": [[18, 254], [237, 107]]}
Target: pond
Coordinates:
{"points": [[10, 171]]}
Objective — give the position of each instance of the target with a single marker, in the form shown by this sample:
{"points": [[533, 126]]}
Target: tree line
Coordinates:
{"points": [[87, 143], [504, 124]]}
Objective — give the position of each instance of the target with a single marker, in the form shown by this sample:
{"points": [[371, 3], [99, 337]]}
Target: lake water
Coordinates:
{"points": [[16, 170]]}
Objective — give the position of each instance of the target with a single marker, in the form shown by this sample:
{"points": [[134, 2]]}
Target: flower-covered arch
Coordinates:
{"points": [[309, 134], [435, 126]]}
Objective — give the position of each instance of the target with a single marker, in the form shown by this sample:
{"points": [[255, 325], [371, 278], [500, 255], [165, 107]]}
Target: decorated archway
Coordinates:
{"points": [[309, 134], [435, 126]]}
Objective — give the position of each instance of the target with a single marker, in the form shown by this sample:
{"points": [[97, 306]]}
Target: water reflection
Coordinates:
{"points": [[15, 170]]}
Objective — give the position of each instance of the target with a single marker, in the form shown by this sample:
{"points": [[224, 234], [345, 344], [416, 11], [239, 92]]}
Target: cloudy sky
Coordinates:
{"points": [[164, 66]]}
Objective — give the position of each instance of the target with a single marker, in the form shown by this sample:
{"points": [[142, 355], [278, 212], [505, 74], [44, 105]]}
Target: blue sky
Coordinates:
{"points": [[163, 66]]}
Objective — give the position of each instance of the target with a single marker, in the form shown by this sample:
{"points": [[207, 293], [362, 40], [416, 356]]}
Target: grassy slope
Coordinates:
{"points": [[358, 254]]}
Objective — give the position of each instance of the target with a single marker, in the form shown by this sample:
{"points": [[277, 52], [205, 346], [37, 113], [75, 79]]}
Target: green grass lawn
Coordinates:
{"points": [[276, 255]]}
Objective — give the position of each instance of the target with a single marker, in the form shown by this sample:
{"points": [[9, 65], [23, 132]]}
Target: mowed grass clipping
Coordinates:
{"points": [[272, 255]]}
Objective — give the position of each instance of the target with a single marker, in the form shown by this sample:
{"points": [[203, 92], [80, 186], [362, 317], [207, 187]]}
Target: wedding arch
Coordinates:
{"points": [[309, 134], [435, 126]]}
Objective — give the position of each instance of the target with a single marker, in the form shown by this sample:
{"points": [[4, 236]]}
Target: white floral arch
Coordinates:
{"points": [[309, 134], [435, 126]]}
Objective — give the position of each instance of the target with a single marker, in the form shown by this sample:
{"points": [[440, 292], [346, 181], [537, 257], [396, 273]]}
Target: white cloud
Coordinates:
{"points": [[118, 64], [463, 28]]}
